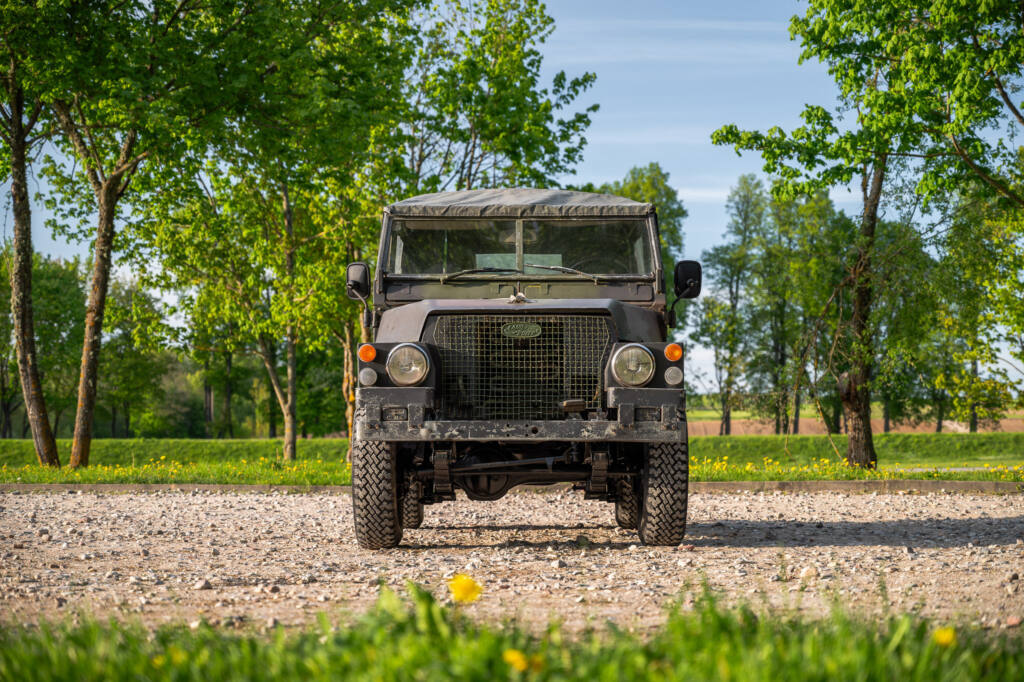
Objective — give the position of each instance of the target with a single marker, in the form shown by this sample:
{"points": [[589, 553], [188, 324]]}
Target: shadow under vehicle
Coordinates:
{"points": [[519, 337]]}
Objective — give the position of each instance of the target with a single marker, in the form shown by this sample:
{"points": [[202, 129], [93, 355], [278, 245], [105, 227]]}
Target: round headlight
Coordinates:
{"points": [[407, 365], [633, 365]]}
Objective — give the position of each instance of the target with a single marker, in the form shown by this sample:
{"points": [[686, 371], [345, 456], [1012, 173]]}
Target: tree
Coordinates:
{"points": [[821, 153], [25, 39], [978, 256], [238, 235], [59, 307], [723, 324], [714, 327], [774, 317], [133, 365], [479, 116], [139, 81]]}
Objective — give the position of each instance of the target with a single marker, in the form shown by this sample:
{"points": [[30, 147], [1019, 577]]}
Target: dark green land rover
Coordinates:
{"points": [[519, 338]]}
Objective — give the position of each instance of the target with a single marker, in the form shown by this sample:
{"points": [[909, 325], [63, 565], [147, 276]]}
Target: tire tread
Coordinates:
{"points": [[375, 503]]}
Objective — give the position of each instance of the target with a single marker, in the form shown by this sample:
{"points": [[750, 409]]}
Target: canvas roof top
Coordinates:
{"points": [[518, 203]]}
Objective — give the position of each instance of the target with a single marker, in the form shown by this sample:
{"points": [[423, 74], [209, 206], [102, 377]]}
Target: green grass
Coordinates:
{"points": [[141, 450], [323, 462], [421, 639], [908, 449]]}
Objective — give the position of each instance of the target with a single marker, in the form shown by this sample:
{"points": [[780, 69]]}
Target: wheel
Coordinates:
{"points": [[375, 494], [627, 504], [664, 481], [412, 507]]}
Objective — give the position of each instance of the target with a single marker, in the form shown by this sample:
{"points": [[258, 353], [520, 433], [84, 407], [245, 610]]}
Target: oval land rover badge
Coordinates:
{"points": [[521, 330]]}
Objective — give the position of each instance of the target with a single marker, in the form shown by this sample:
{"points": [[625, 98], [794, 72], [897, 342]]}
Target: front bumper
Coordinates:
{"points": [[651, 415]]}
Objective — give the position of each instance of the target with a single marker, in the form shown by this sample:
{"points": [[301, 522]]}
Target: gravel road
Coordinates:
{"points": [[257, 559]]}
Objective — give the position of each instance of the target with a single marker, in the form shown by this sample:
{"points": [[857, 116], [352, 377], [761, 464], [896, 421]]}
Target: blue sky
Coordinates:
{"points": [[669, 73]]}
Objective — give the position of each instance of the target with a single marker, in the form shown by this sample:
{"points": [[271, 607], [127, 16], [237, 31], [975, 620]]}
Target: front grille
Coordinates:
{"points": [[485, 374]]}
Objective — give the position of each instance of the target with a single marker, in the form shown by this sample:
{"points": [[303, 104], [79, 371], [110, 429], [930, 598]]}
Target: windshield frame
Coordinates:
{"points": [[650, 230]]}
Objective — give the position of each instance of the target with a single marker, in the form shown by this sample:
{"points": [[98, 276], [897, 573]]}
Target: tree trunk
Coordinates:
{"points": [[284, 395], [127, 420], [939, 414], [972, 424], [854, 387], [87, 377], [348, 382], [272, 408], [228, 427], [796, 411], [289, 407], [725, 428], [21, 286], [113, 422], [207, 398]]}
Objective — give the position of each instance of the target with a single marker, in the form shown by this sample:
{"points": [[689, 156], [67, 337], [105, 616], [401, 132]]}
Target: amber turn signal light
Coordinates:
{"points": [[673, 352], [367, 353]]}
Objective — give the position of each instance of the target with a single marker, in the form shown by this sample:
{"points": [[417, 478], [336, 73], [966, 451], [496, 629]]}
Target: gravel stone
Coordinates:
{"points": [[538, 554]]}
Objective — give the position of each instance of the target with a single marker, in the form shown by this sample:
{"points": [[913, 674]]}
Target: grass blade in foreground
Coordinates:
{"points": [[424, 640]]}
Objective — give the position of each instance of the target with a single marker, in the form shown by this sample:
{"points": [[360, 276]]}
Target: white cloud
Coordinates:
{"points": [[703, 195], [595, 50]]}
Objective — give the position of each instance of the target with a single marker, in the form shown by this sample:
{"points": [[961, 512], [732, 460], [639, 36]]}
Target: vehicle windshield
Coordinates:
{"points": [[594, 246]]}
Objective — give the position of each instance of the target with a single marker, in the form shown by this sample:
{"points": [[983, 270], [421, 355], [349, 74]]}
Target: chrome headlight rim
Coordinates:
{"points": [[391, 374], [650, 356]]}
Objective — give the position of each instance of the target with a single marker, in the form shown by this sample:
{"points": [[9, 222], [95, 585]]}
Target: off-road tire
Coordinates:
{"points": [[627, 504], [412, 507], [664, 487], [375, 494]]}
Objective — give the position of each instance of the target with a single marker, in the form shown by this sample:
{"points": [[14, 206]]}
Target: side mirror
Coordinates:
{"points": [[687, 279], [357, 281]]}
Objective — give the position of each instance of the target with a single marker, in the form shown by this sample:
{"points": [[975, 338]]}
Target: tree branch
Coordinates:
{"points": [[988, 179], [70, 129]]}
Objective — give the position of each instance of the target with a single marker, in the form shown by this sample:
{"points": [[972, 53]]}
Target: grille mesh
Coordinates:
{"points": [[487, 375]]}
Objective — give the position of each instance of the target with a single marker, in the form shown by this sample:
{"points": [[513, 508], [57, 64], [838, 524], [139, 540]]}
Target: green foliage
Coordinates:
{"points": [[946, 74], [58, 287], [417, 638], [479, 114], [131, 368]]}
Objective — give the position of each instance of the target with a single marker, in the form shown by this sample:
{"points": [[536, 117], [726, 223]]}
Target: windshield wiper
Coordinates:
{"points": [[560, 268], [460, 273]]}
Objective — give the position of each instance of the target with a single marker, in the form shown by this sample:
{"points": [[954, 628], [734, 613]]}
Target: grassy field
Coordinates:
{"points": [[323, 462], [421, 639]]}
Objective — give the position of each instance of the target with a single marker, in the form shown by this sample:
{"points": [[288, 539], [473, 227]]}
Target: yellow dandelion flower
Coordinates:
{"points": [[944, 637], [464, 589], [178, 656], [516, 659]]}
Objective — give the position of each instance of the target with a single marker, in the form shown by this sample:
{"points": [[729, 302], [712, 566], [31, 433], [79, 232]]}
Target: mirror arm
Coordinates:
{"points": [[670, 319], [367, 319]]}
